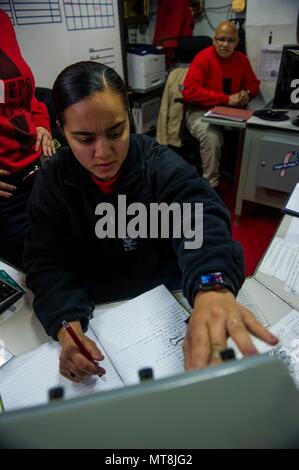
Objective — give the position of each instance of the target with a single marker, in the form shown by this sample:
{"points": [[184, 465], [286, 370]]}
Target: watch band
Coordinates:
{"points": [[218, 288], [215, 282]]}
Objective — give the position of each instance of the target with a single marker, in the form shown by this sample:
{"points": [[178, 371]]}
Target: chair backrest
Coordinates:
{"points": [[189, 46]]}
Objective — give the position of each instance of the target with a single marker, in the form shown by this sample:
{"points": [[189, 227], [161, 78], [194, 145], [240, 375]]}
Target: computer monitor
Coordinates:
{"points": [[286, 96], [287, 86], [249, 403]]}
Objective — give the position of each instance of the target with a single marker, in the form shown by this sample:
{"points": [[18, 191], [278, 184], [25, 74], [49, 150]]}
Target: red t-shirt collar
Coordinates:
{"points": [[105, 186]]}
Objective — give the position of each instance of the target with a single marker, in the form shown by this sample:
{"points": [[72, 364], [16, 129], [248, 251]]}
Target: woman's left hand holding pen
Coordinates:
{"points": [[73, 364]]}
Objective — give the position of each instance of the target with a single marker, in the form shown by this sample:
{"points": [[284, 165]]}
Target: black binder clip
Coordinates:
{"points": [[227, 354], [56, 393], [145, 373]]}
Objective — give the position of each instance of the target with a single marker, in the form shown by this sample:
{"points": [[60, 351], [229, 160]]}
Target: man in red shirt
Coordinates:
{"points": [[218, 75]]}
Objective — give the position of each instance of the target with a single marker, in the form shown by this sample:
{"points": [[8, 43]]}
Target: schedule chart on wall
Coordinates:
{"points": [[89, 14], [69, 30], [36, 12]]}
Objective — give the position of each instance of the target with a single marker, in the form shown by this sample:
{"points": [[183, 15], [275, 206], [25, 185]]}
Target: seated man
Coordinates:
{"points": [[218, 75]]}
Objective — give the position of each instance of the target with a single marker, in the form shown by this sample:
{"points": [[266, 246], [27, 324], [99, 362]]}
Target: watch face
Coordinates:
{"points": [[210, 280]]}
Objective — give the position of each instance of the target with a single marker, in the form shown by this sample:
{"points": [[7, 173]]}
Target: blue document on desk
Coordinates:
{"points": [[147, 331]]}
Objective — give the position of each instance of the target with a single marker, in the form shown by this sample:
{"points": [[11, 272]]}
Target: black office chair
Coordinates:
{"points": [[239, 22], [45, 96], [186, 49], [189, 46]]}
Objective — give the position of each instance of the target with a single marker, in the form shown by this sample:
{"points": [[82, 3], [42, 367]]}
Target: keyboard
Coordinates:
{"points": [[269, 114]]}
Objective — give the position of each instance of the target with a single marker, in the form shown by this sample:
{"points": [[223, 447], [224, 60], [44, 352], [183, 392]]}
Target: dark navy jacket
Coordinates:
{"points": [[69, 267]]}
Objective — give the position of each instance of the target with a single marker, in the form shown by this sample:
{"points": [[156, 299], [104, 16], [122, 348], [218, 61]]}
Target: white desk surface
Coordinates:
{"points": [[282, 125], [269, 303], [22, 331]]}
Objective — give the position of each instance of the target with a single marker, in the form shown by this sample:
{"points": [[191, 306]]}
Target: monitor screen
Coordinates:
{"points": [[287, 86]]}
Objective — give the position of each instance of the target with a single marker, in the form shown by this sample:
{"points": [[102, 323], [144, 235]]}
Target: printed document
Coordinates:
{"points": [[287, 331], [279, 258], [292, 234], [269, 61]]}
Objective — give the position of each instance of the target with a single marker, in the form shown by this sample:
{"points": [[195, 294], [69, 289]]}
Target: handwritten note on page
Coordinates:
{"points": [[147, 331]]}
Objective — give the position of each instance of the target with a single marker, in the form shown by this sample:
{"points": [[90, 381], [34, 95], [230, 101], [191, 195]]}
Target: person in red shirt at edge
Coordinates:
{"points": [[218, 75], [24, 134]]}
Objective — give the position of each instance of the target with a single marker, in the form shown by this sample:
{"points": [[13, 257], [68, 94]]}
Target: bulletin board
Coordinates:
{"points": [[55, 33]]}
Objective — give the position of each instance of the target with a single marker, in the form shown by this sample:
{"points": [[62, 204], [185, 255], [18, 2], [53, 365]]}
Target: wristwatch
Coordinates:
{"points": [[215, 281]]}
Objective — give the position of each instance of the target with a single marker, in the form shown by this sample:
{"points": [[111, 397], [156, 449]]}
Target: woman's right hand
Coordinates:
{"points": [[5, 189], [73, 365]]}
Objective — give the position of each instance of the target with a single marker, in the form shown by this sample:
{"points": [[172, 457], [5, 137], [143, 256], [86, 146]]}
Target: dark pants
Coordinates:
{"points": [[13, 219]]}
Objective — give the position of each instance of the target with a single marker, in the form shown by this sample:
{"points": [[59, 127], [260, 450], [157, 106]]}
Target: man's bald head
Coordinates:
{"points": [[226, 39], [227, 27]]}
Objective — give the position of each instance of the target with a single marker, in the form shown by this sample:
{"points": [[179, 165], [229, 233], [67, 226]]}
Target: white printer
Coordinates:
{"points": [[146, 67]]}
